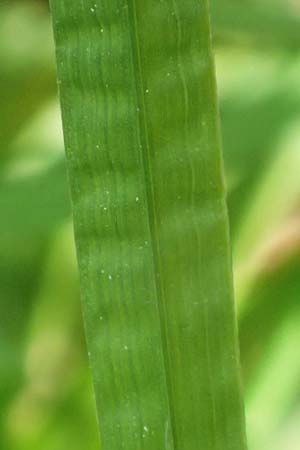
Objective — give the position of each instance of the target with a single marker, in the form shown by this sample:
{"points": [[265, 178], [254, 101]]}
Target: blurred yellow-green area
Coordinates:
{"points": [[46, 399]]}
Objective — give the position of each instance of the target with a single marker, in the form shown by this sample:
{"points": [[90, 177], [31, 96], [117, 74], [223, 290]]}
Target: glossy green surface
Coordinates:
{"points": [[142, 141]]}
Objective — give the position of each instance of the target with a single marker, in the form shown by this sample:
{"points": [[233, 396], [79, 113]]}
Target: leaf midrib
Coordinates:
{"points": [[152, 218]]}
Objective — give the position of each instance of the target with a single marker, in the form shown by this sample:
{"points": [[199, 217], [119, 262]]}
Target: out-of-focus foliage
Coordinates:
{"points": [[45, 390]]}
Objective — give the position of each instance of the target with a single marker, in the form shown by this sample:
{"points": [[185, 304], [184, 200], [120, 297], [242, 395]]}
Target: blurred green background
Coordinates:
{"points": [[46, 399]]}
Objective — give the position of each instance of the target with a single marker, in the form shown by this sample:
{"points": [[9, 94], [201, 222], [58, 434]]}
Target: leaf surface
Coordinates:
{"points": [[141, 132]]}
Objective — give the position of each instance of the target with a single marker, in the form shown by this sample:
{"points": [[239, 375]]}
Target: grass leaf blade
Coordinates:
{"points": [[141, 131]]}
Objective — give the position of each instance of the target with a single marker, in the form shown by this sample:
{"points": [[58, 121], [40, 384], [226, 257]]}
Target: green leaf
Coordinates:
{"points": [[270, 23], [41, 200], [27, 68], [273, 355], [142, 140]]}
